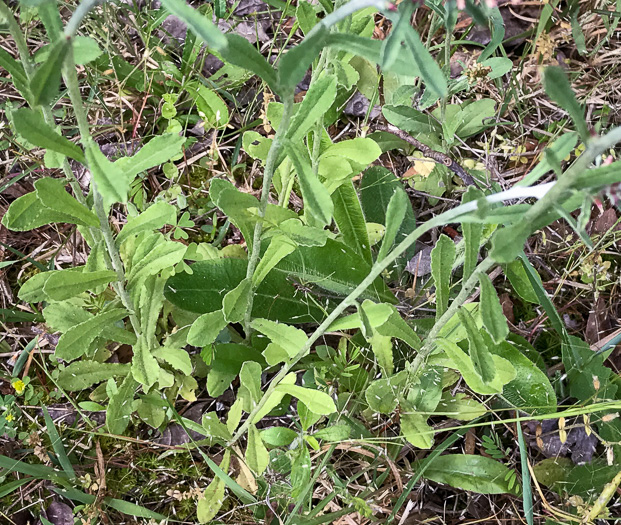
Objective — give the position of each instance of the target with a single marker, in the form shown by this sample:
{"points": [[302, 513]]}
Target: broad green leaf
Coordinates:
{"points": [[459, 407], [65, 284], [382, 395], [120, 406], [395, 214], [518, 278], [18, 75], [211, 108], [429, 69], [85, 50], [145, 367], [32, 290], [210, 503], [478, 474], [198, 23], [350, 220], [153, 218], [421, 126], [416, 430], [235, 302], [206, 328], [31, 125], [494, 318], [304, 235], [52, 194], [28, 212], [294, 63], [360, 152], [559, 89], [242, 53], [110, 180], [45, 82], [479, 353], [306, 17], [425, 394], [317, 101], [203, 291], [317, 201], [280, 246], [76, 341], [459, 360], [290, 338], [469, 119], [84, 374], [316, 401], [257, 456], [227, 361], [214, 427], [442, 260], [165, 255], [275, 398], [531, 390], [472, 235], [157, 151], [250, 384], [278, 436], [178, 358], [152, 409], [336, 433]]}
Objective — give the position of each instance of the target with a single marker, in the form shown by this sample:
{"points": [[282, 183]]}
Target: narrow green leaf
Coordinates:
{"points": [[75, 342], [242, 53], [306, 17], [317, 101], [479, 353], [559, 89], [316, 401], [65, 284], [28, 212], [57, 445], [165, 255], [18, 75], [294, 64], [83, 374], [442, 260], [472, 235], [317, 201], [120, 406], [250, 384], [350, 220], [430, 71], [110, 180], [31, 125], [45, 82], [157, 151], [257, 456], [478, 474], [210, 503], [198, 23], [154, 217], [235, 302], [493, 317], [290, 338], [52, 194], [280, 246], [145, 367], [497, 26], [518, 278], [395, 214], [206, 328], [131, 509], [416, 430]]}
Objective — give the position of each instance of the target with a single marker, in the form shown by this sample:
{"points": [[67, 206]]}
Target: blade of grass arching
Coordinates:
{"points": [[36, 471], [16, 179], [57, 445], [423, 466], [74, 494], [23, 357], [527, 491], [40, 266], [239, 491], [131, 509], [331, 517], [11, 486]]}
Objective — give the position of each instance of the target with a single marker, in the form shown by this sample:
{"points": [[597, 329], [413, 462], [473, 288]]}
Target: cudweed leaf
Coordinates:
{"points": [[416, 430], [235, 302], [442, 259], [479, 353], [290, 338], [316, 401], [120, 406], [51, 193], [257, 456], [301, 471], [280, 246], [145, 368], [110, 180], [84, 374], [493, 317], [559, 89], [45, 83], [206, 328], [211, 502], [395, 213], [65, 284]]}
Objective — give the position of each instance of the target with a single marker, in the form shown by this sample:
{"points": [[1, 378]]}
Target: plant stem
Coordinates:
{"points": [[268, 175], [18, 37], [78, 15]]}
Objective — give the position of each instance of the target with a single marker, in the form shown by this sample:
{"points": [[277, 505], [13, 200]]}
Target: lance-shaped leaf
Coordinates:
{"points": [[84, 374], [558, 88], [52, 194], [316, 401], [350, 220], [235, 302], [242, 53], [479, 353], [28, 212], [110, 180], [442, 259], [157, 151], [198, 23], [318, 99], [287, 337], [153, 218], [76, 341], [206, 328], [317, 200], [257, 456], [428, 67], [120, 406], [395, 213], [493, 317], [31, 125], [18, 75], [145, 367], [280, 246], [294, 64], [210, 503], [45, 83], [65, 284], [472, 235]]}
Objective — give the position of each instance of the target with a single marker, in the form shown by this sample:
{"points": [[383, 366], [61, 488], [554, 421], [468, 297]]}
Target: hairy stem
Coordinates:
{"points": [[268, 175]]}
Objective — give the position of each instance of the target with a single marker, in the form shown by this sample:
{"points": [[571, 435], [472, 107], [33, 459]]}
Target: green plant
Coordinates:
{"points": [[302, 277]]}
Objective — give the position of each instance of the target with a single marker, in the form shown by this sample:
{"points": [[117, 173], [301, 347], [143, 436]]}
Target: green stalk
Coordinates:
{"points": [[18, 37], [268, 175]]}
